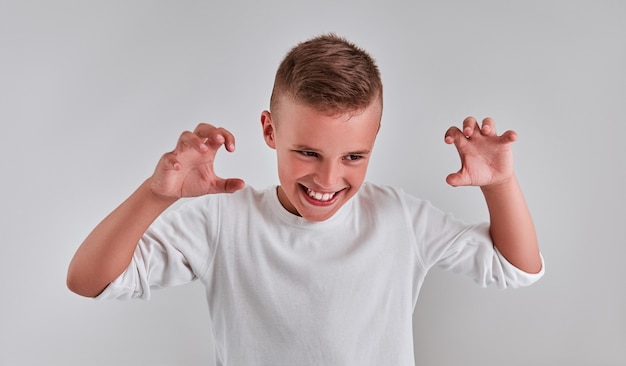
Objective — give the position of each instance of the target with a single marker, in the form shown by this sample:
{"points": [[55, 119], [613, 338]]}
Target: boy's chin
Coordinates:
{"points": [[310, 209]]}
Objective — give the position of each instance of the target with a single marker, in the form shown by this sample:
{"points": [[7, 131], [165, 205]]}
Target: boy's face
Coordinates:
{"points": [[322, 159]]}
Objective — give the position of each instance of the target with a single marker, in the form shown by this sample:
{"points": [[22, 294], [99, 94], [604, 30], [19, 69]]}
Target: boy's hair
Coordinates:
{"points": [[329, 74]]}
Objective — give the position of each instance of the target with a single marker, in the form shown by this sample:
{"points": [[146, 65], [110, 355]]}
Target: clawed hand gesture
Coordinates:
{"points": [[188, 170], [486, 158]]}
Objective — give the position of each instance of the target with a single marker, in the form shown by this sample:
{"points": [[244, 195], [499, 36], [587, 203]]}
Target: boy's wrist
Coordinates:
{"points": [[500, 187], [155, 197]]}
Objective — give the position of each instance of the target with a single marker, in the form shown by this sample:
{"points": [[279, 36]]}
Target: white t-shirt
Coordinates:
{"points": [[282, 290]]}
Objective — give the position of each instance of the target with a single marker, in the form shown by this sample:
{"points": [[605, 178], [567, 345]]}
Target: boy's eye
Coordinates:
{"points": [[353, 157], [309, 153]]}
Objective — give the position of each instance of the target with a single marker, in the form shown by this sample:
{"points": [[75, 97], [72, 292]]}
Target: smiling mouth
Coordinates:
{"points": [[319, 196]]}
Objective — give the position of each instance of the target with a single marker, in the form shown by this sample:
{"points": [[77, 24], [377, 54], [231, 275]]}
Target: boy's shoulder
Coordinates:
{"points": [[373, 189], [383, 193], [386, 198], [217, 204]]}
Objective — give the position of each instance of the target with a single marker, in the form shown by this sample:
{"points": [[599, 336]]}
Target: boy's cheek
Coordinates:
{"points": [[292, 167]]}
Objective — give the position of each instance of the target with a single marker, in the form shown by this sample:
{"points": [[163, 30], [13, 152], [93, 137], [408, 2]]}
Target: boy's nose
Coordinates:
{"points": [[328, 174]]}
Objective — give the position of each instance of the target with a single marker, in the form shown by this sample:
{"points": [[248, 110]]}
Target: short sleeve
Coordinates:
{"points": [[176, 249], [446, 242]]}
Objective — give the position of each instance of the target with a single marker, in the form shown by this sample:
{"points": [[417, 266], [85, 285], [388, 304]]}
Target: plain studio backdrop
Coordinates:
{"points": [[93, 92]]}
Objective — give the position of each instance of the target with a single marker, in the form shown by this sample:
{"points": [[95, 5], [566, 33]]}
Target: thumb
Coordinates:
{"points": [[230, 185], [457, 179]]}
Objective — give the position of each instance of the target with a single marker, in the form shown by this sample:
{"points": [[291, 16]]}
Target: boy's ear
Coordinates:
{"points": [[268, 129]]}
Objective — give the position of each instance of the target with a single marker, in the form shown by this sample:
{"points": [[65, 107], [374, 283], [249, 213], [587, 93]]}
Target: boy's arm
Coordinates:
{"points": [[487, 161], [185, 172], [511, 225]]}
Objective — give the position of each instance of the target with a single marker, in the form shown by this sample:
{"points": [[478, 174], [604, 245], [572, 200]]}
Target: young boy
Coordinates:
{"points": [[322, 269]]}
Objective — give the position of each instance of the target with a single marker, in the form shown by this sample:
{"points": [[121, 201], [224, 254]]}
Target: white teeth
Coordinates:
{"points": [[320, 196]]}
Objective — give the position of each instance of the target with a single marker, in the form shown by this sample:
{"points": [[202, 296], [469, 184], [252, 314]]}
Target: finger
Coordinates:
{"points": [[203, 129], [229, 139], [488, 127], [454, 136], [214, 137], [457, 179], [509, 136], [210, 135], [229, 185], [233, 184], [469, 126], [169, 162], [191, 140], [214, 140]]}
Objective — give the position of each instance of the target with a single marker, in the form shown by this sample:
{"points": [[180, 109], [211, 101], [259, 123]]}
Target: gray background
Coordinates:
{"points": [[92, 93]]}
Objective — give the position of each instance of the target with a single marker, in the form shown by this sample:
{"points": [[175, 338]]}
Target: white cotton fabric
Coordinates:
{"points": [[282, 290]]}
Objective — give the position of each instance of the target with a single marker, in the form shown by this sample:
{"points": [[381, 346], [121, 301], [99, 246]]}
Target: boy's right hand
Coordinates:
{"points": [[188, 170]]}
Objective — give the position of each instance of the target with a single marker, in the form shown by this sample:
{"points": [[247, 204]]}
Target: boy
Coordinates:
{"points": [[322, 269]]}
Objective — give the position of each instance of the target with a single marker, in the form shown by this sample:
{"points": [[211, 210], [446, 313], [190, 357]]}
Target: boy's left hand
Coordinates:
{"points": [[486, 158]]}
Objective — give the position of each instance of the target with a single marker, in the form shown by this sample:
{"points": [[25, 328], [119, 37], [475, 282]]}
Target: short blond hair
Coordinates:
{"points": [[329, 74]]}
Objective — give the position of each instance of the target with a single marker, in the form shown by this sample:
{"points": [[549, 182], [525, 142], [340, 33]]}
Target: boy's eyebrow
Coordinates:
{"points": [[312, 149], [358, 152]]}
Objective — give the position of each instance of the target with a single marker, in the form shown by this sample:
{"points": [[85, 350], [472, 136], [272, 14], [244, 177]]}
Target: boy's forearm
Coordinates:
{"points": [[108, 249], [512, 228]]}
